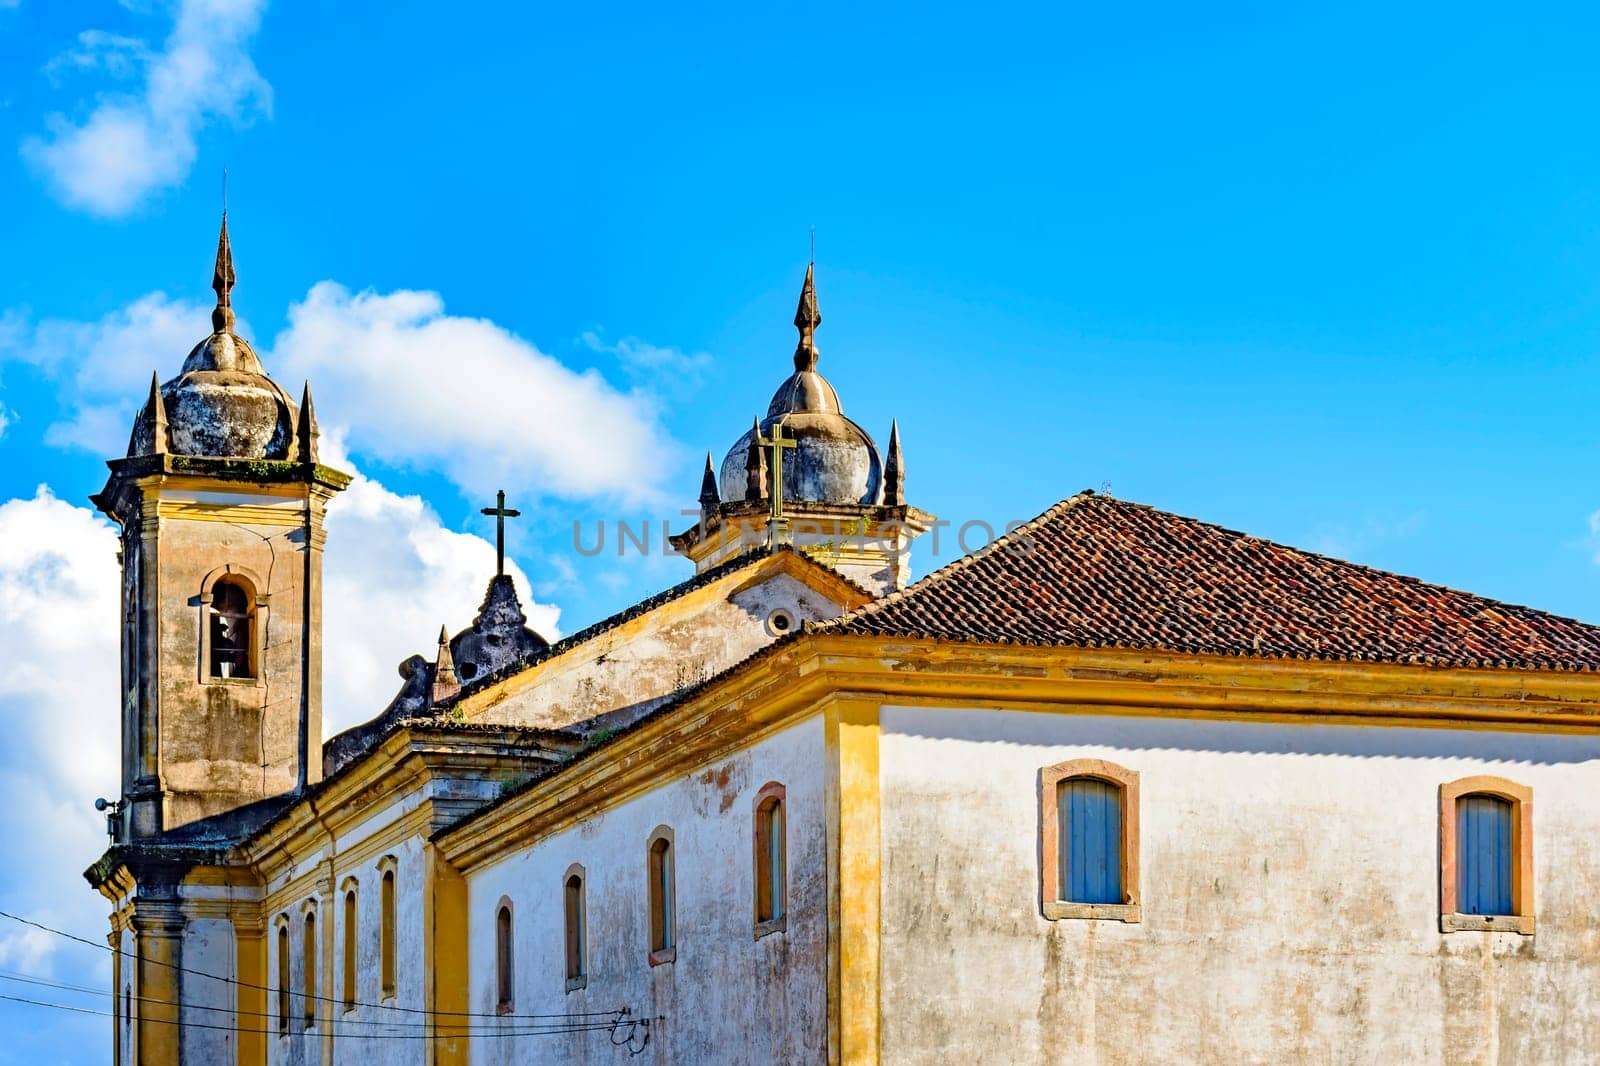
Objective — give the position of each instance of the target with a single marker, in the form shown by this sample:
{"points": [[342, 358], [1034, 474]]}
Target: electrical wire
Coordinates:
{"points": [[585, 1027], [455, 1028], [317, 998]]}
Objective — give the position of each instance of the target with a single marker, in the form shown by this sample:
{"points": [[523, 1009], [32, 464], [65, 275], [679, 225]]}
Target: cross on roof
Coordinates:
{"points": [[776, 445], [500, 513]]}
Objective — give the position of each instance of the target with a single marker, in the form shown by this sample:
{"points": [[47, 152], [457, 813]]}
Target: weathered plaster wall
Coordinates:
{"points": [[208, 1004], [217, 745], [626, 672], [1289, 888], [728, 997], [319, 878]]}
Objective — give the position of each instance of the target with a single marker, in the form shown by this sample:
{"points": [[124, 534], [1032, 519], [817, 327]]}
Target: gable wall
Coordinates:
{"points": [[625, 673]]}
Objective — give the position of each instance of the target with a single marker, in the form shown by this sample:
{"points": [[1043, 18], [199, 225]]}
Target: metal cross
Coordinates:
{"points": [[776, 445], [500, 513]]}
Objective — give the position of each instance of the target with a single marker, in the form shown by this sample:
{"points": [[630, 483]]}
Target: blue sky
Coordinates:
{"points": [[1330, 277]]}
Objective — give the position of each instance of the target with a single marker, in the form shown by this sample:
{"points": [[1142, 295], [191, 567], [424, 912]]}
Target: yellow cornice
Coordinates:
{"points": [[802, 676]]}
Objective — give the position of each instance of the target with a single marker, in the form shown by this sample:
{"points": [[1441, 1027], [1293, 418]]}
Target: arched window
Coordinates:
{"points": [[1089, 829], [283, 975], [771, 873], [232, 617], [577, 948], [1486, 855], [349, 993], [309, 968], [663, 907], [503, 959], [386, 932]]}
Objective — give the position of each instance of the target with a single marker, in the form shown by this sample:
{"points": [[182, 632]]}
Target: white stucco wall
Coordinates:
{"points": [[1289, 887], [728, 997]]}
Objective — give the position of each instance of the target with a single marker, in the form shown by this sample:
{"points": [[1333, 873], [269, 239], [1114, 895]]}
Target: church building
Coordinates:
{"points": [[1120, 787]]}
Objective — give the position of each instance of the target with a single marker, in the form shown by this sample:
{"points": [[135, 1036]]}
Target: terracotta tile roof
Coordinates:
{"points": [[1104, 573]]}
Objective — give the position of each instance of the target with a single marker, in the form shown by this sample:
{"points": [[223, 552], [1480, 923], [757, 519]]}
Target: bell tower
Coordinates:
{"points": [[220, 501]]}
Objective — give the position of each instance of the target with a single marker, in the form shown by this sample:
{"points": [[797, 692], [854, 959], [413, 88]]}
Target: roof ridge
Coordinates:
{"points": [[955, 566], [1350, 563]]}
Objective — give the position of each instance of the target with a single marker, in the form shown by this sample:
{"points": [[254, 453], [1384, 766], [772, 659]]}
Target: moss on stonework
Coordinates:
{"points": [[258, 471]]}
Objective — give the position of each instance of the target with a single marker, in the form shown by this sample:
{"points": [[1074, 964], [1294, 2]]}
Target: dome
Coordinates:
{"points": [[224, 405], [834, 460]]}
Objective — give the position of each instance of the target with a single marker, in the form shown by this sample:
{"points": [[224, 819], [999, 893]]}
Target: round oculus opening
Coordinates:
{"points": [[780, 622]]}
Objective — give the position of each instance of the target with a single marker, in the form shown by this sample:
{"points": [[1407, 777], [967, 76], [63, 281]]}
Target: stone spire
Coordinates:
{"points": [[306, 432], [158, 417], [222, 281], [445, 682], [709, 497], [807, 317], [894, 471], [755, 468]]}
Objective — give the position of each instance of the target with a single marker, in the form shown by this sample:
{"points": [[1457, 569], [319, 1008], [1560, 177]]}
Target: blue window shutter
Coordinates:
{"points": [[1089, 839], [1483, 855]]}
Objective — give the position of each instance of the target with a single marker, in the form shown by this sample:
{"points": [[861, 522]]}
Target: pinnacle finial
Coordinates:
{"points": [[446, 682], [807, 317], [755, 467], [709, 496], [894, 471], [158, 416], [306, 431], [222, 281]]}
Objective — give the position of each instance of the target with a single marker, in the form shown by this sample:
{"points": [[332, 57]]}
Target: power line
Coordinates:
{"points": [[321, 999], [585, 1027], [456, 1029]]}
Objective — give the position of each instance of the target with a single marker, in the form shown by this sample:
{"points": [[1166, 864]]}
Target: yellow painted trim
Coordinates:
{"points": [[445, 950], [250, 946], [231, 514], [854, 811]]}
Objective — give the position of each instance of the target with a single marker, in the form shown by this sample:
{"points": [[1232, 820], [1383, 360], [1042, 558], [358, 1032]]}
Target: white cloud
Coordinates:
{"points": [[470, 399], [133, 144], [58, 706], [399, 378], [1353, 540], [659, 366], [393, 574], [104, 367], [5, 419]]}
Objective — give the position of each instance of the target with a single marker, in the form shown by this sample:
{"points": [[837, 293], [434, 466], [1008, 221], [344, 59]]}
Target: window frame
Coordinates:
{"points": [[1522, 903], [350, 930], [388, 921], [574, 925], [505, 956], [661, 895], [285, 1002], [1051, 905], [257, 604], [310, 971], [772, 794]]}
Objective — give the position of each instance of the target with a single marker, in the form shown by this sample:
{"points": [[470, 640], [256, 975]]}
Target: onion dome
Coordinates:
{"points": [[834, 461], [222, 404]]}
